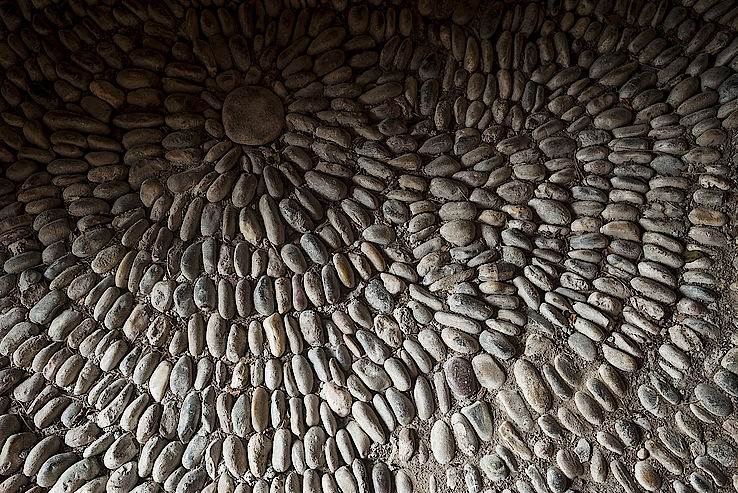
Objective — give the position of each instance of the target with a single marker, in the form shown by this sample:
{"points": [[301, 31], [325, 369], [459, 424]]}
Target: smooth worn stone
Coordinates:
{"points": [[532, 386], [460, 377], [442, 442], [489, 374], [493, 467], [252, 115], [713, 400]]}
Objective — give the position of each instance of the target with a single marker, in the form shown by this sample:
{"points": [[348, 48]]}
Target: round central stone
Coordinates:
{"points": [[252, 115]]}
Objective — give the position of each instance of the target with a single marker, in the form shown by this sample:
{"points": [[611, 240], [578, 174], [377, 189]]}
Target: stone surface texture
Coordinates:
{"points": [[252, 115], [301, 246]]}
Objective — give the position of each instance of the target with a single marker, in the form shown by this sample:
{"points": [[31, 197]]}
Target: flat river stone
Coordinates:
{"points": [[252, 115]]}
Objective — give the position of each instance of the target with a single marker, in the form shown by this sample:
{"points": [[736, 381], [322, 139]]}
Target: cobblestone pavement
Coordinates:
{"points": [[300, 246]]}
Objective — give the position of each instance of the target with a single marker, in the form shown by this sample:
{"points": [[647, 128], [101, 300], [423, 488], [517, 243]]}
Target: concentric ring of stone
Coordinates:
{"points": [[491, 248], [252, 115]]}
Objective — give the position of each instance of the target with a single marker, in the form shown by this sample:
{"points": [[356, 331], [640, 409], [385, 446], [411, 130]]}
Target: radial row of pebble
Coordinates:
{"points": [[491, 248]]}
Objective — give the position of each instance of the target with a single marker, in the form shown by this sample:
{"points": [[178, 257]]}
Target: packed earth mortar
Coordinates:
{"points": [[308, 246]]}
